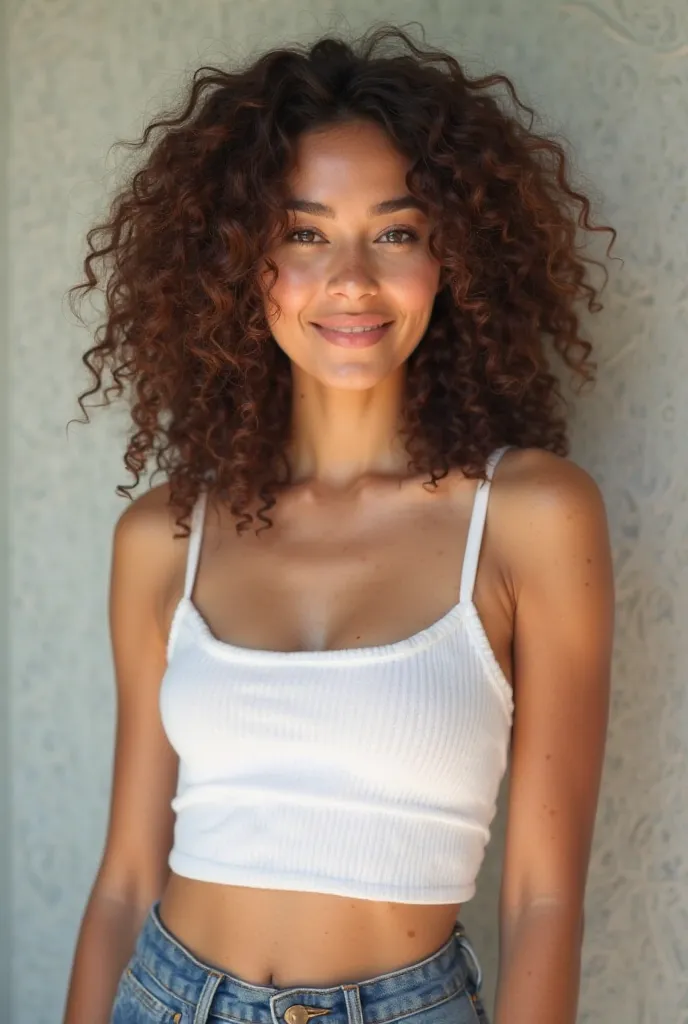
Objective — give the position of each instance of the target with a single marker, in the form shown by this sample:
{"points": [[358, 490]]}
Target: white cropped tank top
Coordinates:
{"points": [[367, 772]]}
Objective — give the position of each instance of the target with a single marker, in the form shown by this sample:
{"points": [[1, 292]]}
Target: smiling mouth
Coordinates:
{"points": [[355, 330], [354, 337]]}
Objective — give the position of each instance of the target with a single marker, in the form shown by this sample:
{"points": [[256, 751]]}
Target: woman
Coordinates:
{"points": [[334, 290]]}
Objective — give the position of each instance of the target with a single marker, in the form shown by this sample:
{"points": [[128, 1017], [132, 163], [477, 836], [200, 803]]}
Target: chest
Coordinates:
{"points": [[420, 714], [334, 578]]}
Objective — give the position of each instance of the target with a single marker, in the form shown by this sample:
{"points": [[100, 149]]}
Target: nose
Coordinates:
{"points": [[352, 276]]}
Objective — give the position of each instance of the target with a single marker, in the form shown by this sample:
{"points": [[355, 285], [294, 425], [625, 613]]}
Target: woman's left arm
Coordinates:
{"points": [[562, 580]]}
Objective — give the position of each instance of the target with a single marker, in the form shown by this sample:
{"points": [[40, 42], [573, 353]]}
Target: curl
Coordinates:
{"points": [[185, 336]]}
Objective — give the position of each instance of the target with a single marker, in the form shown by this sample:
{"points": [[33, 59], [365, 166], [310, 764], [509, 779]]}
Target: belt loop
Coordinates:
{"points": [[352, 1001], [207, 995], [468, 946]]}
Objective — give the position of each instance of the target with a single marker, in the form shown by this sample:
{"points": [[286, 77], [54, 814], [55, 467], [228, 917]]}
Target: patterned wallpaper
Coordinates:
{"points": [[613, 77]]}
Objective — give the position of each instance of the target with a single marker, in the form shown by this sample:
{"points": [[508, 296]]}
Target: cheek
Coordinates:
{"points": [[414, 284], [295, 284]]}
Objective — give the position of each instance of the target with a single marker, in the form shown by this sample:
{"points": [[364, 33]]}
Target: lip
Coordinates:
{"points": [[345, 340]]}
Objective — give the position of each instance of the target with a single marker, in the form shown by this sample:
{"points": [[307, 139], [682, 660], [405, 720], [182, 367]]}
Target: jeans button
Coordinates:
{"points": [[300, 1014]]}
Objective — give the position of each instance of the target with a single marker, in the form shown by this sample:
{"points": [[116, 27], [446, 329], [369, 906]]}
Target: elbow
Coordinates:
{"points": [[557, 911]]}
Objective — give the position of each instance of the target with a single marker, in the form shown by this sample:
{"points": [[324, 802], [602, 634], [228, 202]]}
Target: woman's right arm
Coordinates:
{"points": [[133, 867]]}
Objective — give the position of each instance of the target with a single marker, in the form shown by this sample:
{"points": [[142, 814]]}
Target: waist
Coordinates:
{"points": [[171, 974], [279, 937]]}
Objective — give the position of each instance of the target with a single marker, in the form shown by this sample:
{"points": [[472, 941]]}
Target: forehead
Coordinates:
{"points": [[349, 158]]}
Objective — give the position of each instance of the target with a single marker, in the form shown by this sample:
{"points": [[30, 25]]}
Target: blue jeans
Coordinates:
{"points": [[164, 983]]}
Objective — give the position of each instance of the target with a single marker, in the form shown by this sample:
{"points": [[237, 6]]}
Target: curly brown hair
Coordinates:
{"points": [[185, 332]]}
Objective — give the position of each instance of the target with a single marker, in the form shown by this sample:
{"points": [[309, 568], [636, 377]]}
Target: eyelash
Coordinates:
{"points": [[413, 236]]}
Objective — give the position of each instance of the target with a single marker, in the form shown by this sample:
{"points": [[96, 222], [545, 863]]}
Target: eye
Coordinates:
{"points": [[297, 237], [293, 236], [412, 235]]}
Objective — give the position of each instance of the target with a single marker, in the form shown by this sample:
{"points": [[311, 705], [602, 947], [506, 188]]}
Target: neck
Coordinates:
{"points": [[340, 436]]}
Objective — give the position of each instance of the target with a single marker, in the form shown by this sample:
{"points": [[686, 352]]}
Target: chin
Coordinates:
{"points": [[353, 377]]}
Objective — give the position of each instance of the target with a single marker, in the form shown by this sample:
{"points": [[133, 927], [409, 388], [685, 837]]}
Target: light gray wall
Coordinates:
{"points": [[5, 912], [612, 75]]}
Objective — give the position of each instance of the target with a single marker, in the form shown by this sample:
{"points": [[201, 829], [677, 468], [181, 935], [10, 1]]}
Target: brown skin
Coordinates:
{"points": [[334, 571]]}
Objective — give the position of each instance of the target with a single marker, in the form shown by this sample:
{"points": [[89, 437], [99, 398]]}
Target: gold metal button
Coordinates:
{"points": [[300, 1014]]}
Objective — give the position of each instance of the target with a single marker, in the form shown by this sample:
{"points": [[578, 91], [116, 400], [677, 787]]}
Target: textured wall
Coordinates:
{"points": [[5, 915], [612, 75]]}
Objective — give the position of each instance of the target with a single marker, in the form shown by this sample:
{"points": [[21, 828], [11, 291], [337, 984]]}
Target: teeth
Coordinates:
{"points": [[356, 330]]}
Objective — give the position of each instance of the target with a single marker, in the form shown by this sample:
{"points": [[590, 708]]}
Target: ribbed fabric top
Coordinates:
{"points": [[369, 772]]}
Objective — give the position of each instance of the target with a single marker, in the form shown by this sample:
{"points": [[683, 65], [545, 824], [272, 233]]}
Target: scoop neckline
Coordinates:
{"points": [[397, 648], [463, 610]]}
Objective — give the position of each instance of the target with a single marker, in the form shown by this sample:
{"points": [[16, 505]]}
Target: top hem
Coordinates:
{"points": [[236, 874]]}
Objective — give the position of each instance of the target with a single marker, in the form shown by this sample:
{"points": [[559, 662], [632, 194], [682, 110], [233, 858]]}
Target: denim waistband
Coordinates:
{"points": [[443, 974]]}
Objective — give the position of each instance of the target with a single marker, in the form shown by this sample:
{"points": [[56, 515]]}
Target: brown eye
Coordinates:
{"points": [[293, 236]]}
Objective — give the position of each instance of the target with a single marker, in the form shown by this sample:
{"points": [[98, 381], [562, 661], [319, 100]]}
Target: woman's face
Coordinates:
{"points": [[349, 261]]}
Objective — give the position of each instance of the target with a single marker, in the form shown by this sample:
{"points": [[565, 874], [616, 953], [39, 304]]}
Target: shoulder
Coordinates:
{"points": [[145, 548], [539, 478], [551, 512], [147, 520]]}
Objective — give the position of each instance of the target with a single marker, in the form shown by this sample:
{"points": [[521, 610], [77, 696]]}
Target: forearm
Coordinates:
{"points": [[539, 970], [106, 942]]}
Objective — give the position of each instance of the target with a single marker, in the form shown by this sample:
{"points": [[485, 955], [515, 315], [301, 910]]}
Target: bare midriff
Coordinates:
{"points": [[286, 938]]}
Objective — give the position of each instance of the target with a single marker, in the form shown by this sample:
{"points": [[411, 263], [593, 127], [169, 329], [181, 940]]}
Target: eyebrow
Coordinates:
{"points": [[388, 206]]}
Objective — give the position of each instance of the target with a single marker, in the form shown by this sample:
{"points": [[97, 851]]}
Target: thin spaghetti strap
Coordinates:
{"points": [[476, 528], [195, 538]]}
